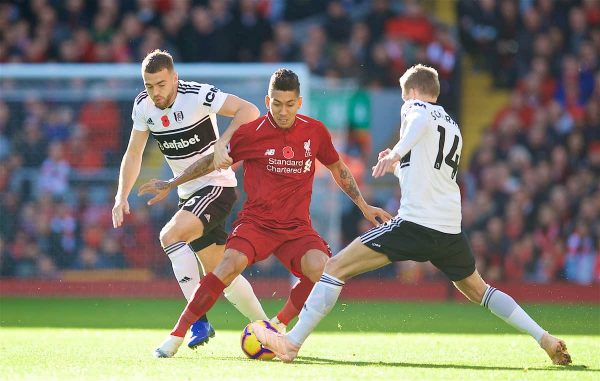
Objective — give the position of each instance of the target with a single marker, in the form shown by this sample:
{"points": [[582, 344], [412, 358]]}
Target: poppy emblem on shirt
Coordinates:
{"points": [[165, 121], [288, 152]]}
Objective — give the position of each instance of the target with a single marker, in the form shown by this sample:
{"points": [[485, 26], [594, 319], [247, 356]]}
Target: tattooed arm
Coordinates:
{"points": [[162, 188], [344, 179]]}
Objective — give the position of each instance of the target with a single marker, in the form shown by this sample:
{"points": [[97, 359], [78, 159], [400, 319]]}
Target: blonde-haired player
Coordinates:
{"points": [[427, 227]]}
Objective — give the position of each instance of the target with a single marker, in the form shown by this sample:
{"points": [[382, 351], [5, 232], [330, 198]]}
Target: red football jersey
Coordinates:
{"points": [[279, 168]]}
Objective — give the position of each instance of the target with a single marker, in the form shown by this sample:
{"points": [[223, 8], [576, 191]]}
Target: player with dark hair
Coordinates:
{"points": [[181, 116], [427, 227], [279, 152]]}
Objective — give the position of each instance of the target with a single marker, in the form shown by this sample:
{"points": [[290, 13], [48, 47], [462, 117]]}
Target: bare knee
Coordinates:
{"points": [[231, 266], [171, 233], [312, 264]]}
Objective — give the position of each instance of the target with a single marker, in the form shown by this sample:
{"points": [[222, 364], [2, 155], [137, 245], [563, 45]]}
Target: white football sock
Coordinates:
{"points": [[321, 300], [185, 267], [505, 307], [240, 294]]}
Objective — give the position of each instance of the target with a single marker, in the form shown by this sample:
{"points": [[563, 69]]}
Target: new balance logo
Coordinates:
{"points": [[149, 121], [185, 279], [207, 216], [270, 152]]}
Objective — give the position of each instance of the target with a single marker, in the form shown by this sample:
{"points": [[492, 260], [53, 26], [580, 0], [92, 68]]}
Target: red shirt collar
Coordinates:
{"points": [[274, 124]]}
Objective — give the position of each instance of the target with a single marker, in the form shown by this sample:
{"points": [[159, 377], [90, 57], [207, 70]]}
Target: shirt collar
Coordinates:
{"points": [[274, 124]]}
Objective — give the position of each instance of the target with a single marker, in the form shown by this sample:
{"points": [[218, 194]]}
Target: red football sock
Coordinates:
{"points": [[298, 296], [206, 294]]}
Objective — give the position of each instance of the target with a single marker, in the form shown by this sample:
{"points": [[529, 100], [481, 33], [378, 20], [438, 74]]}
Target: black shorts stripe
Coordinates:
{"points": [[212, 196], [381, 229]]}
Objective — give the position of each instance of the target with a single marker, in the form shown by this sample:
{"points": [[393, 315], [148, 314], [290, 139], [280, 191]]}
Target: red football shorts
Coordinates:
{"points": [[289, 246]]}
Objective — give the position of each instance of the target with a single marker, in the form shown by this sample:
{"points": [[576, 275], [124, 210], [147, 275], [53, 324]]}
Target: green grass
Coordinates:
{"points": [[101, 339]]}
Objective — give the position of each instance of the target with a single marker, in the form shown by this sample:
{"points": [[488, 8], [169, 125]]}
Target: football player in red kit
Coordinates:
{"points": [[279, 152]]}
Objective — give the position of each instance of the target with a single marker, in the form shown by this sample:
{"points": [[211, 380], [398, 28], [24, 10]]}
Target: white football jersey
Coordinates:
{"points": [[186, 131], [430, 145]]}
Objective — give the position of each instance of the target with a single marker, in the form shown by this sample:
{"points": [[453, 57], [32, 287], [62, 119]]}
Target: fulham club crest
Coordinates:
{"points": [[178, 116]]}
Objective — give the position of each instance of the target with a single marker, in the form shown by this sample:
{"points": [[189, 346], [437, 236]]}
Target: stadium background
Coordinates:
{"points": [[521, 77]]}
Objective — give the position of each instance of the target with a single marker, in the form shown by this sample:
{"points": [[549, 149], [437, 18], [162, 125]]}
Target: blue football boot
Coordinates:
{"points": [[202, 331]]}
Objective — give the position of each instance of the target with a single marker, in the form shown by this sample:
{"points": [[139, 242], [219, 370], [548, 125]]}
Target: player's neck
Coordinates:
{"points": [[433, 101], [274, 123]]}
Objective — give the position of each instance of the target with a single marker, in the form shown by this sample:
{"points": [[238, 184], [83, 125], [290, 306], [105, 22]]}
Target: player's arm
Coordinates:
{"points": [[344, 179], [161, 188], [416, 126], [242, 112], [130, 170]]}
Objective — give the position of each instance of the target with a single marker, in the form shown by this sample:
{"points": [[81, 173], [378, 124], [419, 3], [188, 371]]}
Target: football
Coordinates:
{"points": [[252, 347]]}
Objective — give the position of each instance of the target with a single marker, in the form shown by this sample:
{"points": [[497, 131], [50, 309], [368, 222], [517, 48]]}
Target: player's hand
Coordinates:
{"points": [[386, 163], [383, 153], [376, 215], [221, 160], [121, 207], [159, 188]]}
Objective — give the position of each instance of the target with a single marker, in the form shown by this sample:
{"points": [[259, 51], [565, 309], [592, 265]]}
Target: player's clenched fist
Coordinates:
{"points": [[386, 162], [221, 160], [121, 207]]}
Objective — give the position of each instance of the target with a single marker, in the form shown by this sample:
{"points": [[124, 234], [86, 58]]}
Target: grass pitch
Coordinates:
{"points": [[112, 339]]}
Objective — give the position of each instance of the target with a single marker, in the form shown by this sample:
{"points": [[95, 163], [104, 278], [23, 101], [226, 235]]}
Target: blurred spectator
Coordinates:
{"points": [[54, 172], [101, 122]]}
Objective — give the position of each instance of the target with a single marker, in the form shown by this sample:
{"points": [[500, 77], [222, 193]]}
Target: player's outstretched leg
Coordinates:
{"points": [[505, 307]]}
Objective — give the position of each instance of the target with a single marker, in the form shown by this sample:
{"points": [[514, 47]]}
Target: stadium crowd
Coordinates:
{"points": [[531, 192]]}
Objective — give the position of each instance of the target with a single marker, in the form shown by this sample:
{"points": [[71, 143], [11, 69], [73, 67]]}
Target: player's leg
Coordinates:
{"points": [[204, 297], [174, 237], [239, 293], [456, 260], [210, 247], [304, 257], [505, 307], [308, 268], [355, 259], [292, 307]]}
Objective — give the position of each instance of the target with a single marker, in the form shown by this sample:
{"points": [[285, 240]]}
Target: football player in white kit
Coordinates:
{"points": [[427, 227], [181, 116]]}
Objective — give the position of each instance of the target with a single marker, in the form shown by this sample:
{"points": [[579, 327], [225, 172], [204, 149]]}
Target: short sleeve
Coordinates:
{"points": [[327, 153], [211, 98], [139, 122], [240, 148]]}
